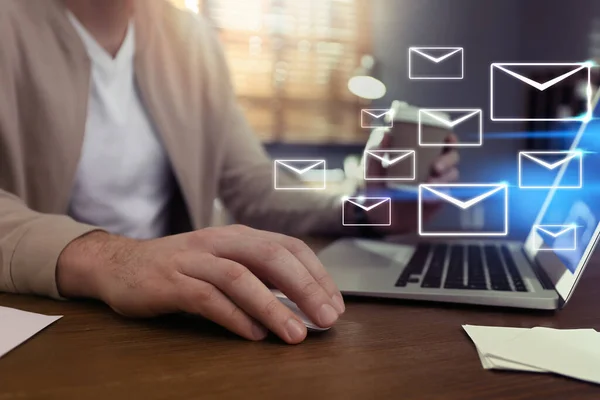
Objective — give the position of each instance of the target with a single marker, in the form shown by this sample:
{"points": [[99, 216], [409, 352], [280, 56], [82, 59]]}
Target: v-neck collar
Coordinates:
{"points": [[98, 54]]}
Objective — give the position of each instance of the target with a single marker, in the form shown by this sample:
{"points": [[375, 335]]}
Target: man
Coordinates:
{"points": [[117, 122]]}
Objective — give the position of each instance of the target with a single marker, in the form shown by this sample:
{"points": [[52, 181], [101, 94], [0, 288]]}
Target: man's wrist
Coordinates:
{"points": [[81, 263]]}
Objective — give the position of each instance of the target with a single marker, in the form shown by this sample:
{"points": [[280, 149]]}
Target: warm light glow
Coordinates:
{"points": [[193, 6], [367, 87]]}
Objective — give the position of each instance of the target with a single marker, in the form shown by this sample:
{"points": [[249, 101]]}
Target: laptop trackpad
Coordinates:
{"points": [[360, 253]]}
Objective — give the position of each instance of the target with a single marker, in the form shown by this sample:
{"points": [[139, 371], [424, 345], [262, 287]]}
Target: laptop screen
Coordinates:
{"points": [[566, 229]]}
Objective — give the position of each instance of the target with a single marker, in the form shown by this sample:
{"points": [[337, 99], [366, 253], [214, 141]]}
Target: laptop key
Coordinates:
{"points": [[454, 285], [415, 265], [420, 258], [454, 276], [473, 285], [433, 277]]}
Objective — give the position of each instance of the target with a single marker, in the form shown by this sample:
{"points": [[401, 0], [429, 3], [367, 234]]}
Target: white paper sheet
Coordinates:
{"points": [[573, 355], [17, 326], [487, 338], [570, 352]]}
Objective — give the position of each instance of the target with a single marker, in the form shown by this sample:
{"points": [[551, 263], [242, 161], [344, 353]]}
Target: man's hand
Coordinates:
{"points": [[218, 273], [404, 212]]}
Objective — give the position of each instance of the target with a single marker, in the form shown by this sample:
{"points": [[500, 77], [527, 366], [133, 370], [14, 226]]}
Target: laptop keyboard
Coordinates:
{"points": [[473, 267]]}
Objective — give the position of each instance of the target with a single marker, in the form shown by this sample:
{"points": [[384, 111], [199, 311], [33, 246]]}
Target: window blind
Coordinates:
{"points": [[290, 62]]}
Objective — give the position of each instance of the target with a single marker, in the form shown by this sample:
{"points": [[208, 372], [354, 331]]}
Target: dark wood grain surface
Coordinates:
{"points": [[380, 349]]}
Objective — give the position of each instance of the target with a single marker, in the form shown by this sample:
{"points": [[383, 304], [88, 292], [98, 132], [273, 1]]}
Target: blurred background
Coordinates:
{"points": [[292, 62]]}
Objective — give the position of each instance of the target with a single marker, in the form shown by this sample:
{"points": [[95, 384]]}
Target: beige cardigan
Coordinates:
{"points": [[184, 83]]}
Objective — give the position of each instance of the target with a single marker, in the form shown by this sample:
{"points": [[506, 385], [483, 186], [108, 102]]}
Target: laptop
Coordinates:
{"points": [[534, 274]]}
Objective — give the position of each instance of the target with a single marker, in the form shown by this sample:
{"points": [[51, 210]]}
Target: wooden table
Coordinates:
{"points": [[380, 349]]}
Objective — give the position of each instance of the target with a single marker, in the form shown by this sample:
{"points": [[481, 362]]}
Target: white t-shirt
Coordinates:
{"points": [[123, 182]]}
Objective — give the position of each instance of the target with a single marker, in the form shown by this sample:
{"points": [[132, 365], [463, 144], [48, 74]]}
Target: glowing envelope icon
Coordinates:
{"points": [[436, 63], [496, 193], [558, 237], [562, 76]]}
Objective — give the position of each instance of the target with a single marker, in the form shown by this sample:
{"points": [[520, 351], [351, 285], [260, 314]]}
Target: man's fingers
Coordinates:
{"points": [[314, 266], [202, 298], [451, 139], [448, 177], [250, 294], [446, 162], [284, 270], [309, 259]]}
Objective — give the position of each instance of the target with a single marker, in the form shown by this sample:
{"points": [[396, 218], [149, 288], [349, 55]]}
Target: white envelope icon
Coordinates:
{"points": [[435, 63], [465, 115], [308, 174], [558, 237], [376, 118], [405, 162], [442, 193], [367, 205], [542, 170], [504, 74]]}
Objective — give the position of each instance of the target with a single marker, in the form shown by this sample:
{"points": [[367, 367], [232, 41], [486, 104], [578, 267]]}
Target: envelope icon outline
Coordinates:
{"points": [[441, 191], [293, 167], [389, 158], [507, 69], [376, 202], [370, 117], [469, 114], [558, 232], [535, 158], [425, 52]]}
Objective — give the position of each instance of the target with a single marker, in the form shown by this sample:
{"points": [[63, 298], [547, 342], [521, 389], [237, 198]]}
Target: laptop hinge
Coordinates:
{"points": [[541, 275]]}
